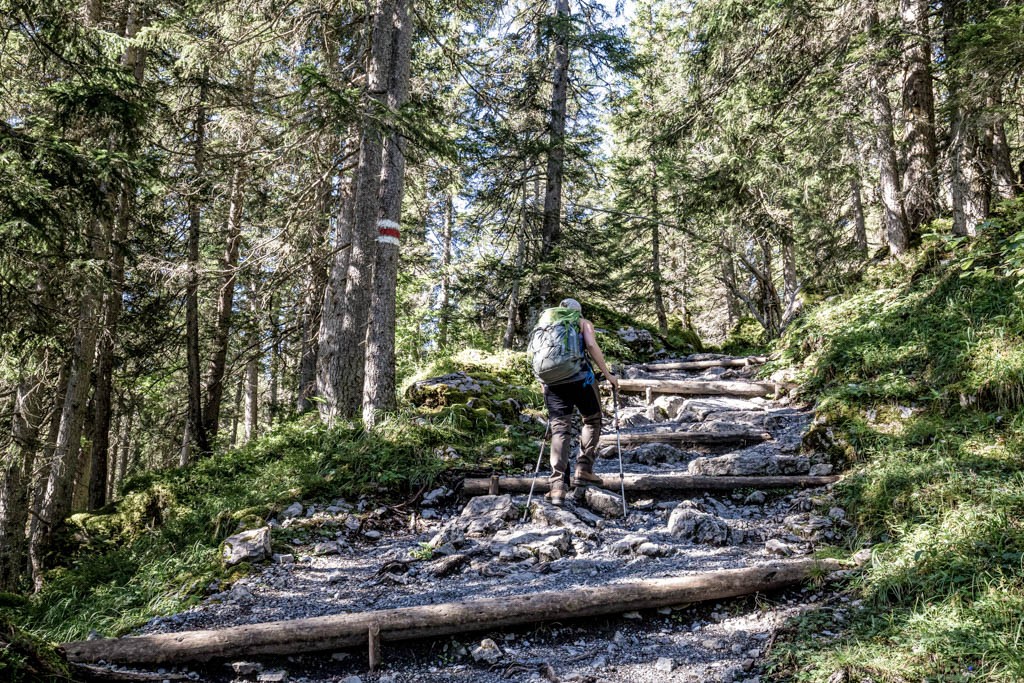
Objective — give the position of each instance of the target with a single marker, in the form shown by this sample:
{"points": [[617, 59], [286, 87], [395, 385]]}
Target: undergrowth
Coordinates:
{"points": [[920, 378], [158, 550]]}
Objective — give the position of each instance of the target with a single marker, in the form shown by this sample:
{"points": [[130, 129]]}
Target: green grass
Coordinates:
{"points": [[920, 376], [158, 550]]}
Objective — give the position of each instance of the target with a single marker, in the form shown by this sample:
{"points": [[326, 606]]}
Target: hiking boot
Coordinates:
{"points": [[585, 478], [556, 496]]}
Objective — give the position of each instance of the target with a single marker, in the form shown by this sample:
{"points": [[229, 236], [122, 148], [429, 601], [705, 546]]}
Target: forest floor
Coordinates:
{"points": [[451, 548]]}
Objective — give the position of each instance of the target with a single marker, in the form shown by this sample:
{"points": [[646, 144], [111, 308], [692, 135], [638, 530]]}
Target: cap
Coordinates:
{"points": [[571, 303]]}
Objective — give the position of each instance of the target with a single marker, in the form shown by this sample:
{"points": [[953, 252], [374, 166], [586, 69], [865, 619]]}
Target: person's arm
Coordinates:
{"points": [[590, 341]]}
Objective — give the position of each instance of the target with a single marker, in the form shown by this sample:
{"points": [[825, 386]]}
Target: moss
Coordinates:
{"points": [[919, 375], [26, 659]]}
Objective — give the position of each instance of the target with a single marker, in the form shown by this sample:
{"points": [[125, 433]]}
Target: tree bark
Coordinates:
{"points": [[16, 468], [699, 387], [894, 220], [920, 181], [551, 231], [705, 364], [225, 303], [642, 483], [379, 384], [434, 621], [196, 426], [56, 500], [342, 391], [329, 337], [312, 308], [444, 304], [656, 284]]}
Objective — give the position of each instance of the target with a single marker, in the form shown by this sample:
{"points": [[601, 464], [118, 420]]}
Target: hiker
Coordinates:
{"points": [[560, 344]]}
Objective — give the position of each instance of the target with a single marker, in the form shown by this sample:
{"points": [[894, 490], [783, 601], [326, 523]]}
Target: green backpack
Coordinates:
{"points": [[556, 346]]}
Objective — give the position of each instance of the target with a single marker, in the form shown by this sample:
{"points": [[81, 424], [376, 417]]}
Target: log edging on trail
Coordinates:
{"points": [[687, 436], [696, 387], [705, 364], [654, 482], [406, 623]]}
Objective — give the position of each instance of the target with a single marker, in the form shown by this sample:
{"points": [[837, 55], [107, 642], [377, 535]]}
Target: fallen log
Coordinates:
{"points": [[696, 387], [654, 482], [688, 437], [705, 364], [433, 621]]}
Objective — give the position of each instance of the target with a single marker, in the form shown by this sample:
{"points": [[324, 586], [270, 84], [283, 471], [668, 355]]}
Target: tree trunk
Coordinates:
{"points": [[440, 620], [225, 303], [643, 483], [551, 231], [970, 189], [56, 499], [312, 307], [329, 336], [1004, 183], [656, 284], [342, 389], [16, 468], [379, 386], [894, 221], [920, 182], [860, 231], [236, 413], [115, 240], [252, 388], [197, 427], [444, 304], [125, 448]]}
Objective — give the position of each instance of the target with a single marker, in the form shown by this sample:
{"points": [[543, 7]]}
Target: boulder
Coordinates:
{"points": [[457, 387], [756, 462], [293, 510], [484, 515], [670, 405], [654, 453], [687, 522], [547, 544], [248, 546], [702, 407], [604, 502], [639, 341]]}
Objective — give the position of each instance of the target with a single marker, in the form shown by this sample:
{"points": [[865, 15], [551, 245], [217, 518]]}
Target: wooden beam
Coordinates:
{"points": [[434, 621], [655, 482], [696, 387], [705, 364], [687, 436]]}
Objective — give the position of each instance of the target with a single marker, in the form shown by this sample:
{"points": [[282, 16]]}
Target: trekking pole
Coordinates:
{"points": [[536, 471], [618, 448]]}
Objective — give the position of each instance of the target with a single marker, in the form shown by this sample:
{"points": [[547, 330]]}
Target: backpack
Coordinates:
{"points": [[556, 346]]}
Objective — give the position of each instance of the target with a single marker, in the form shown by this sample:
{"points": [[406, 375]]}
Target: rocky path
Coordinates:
{"points": [[349, 558]]}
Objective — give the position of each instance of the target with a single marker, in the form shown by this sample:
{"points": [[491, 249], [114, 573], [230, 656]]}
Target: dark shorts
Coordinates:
{"points": [[560, 399]]}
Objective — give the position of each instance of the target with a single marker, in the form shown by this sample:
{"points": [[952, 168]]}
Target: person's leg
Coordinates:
{"points": [[560, 423], [590, 407]]}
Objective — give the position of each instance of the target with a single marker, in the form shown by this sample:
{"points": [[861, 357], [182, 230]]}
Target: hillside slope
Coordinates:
{"points": [[919, 374]]}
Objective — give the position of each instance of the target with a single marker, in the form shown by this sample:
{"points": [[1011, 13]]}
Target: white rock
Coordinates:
{"points": [[603, 502], [664, 664], [351, 679], [293, 510], [701, 527], [246, 668], [248, 546], [484, 515], [276, 676], [776, 547], [284, 558], [755, 498], [822, 469], [487, 651], [373, 534]]}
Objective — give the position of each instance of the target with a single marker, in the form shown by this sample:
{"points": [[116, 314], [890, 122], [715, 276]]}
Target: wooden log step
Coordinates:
{"points": [[434, 621], [696, 387], [653, 482], [705, 364], [687, 436]]}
